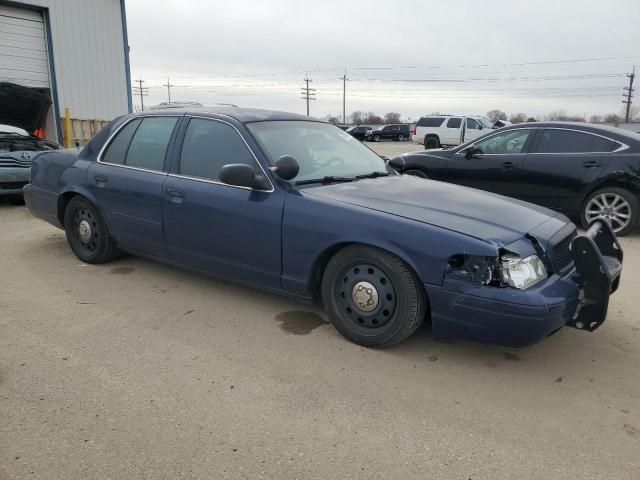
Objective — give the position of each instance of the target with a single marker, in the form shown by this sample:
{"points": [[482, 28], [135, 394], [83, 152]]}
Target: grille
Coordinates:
{"points": [[561, 254], [11, 162]]}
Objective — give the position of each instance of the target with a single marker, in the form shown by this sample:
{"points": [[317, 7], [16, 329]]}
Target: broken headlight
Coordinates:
{"points": [[522, 272]]}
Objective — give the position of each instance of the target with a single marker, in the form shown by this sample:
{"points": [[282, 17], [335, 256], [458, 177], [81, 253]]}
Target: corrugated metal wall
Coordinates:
{"points": [[89, 56]]}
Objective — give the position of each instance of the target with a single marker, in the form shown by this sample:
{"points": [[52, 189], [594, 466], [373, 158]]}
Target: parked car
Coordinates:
{"points": [[389, 132], [358, 132], [17, 151], [291, 204], [585, 171], [435, 131]]}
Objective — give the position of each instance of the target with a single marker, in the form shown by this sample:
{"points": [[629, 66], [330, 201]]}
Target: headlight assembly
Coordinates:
{"points": [[522, 272]]}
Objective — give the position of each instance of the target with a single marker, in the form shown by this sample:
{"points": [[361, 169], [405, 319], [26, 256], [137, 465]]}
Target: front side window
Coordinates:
{"points": [[509, 142], [208, 145], [320, 149], [570, 141], [149, 144], [454, 123], [472, 124]]}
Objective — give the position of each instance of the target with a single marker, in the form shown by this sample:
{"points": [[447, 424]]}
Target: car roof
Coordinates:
{"points": [[243, 115], [606, 130]]}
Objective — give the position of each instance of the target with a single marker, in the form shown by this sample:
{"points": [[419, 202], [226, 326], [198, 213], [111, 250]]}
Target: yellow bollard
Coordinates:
{"points": [[67, 128]]}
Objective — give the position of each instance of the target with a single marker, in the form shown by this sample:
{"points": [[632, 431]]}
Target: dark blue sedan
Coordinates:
{"points": [[294, 205]]}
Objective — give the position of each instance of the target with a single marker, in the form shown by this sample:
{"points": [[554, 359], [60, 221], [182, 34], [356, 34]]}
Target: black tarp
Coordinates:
{"points": [[24, 107]]}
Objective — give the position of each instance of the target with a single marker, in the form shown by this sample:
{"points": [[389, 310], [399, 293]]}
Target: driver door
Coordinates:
{"points": [[497, 164]]}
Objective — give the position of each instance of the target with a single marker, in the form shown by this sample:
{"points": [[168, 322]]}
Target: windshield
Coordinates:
{"points": [[322, 150], [485, 123]]}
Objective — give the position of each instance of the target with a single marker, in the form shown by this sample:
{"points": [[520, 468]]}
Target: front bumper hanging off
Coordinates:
{"points": [[598, 262]]}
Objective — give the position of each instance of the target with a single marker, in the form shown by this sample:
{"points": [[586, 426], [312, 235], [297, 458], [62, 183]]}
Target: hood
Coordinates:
{"points": [[472, 212], [23, 107]]}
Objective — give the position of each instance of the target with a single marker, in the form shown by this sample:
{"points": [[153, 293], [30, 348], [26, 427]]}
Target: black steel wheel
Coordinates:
{"points": [[87, 232], [372, 297]]}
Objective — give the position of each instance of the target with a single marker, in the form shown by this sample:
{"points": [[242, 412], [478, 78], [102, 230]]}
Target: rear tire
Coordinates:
{"points": [[372, 297], [416, 173], [87, 232], [619, 207], [376, 138], [431, 142]]}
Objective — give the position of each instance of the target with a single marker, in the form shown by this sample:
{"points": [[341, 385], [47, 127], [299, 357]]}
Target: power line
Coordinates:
{"points": [[629, 93]]}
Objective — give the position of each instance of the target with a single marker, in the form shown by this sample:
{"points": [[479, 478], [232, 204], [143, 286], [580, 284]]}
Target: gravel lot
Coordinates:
{"points": [[139, 370]]}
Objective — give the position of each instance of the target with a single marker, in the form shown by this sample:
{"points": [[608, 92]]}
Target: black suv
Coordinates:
{"points": [[584, 171], [398, 132], [358, 132]]}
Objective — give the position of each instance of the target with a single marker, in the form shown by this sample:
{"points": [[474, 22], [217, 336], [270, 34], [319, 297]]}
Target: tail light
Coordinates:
{"points": [[415, 127]]}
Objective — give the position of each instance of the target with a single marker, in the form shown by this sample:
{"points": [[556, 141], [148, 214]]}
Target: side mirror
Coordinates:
{"points": [[286, 167], [397, 163], [242, 175], [470, 152], [480, 127]]}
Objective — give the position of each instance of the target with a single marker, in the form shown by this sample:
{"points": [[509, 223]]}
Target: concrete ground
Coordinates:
{"points": [[135, 370]]}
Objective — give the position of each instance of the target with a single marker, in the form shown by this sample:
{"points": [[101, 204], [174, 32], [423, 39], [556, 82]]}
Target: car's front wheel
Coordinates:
{"points": [[619, 207], [376, 138], [87, 232], [372, 297]]}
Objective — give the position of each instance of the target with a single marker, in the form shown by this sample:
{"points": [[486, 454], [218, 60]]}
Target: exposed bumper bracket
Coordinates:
{"points": [[598, 261]]}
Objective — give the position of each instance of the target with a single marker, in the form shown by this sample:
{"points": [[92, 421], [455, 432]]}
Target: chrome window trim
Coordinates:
{"points": [[460, 152], [623, 146], [217, 182], [112, 136]]}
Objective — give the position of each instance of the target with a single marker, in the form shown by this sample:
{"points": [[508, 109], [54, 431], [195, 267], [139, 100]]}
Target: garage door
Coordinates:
{"points": [[23, 48]]}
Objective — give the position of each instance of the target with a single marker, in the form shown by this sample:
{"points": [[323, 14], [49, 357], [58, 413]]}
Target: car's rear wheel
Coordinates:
{"points": [[87, 232], [376, 138], [431, 142], [401, 138], [372, 297], [416, 173], [619, 207]]}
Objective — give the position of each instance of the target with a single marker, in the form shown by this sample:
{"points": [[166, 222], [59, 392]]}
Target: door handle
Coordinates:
{"points": [[508, 165], [174, 192], [101, 178], [591, 164]]}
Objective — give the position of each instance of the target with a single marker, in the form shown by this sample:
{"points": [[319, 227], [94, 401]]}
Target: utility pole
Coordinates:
{"points": [[168, 85], [142, 91], [344, 97], [309, 93], [629, 93]]}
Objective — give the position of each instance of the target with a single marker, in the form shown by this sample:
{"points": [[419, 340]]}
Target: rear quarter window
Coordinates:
{"points": [[571, 141], [430, 121]]}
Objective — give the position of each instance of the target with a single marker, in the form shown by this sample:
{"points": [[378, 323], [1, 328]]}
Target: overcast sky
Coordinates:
{"points": [[413, 57]]}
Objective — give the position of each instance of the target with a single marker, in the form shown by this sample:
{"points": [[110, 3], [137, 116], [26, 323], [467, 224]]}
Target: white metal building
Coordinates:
{"points": [[77, 49]]}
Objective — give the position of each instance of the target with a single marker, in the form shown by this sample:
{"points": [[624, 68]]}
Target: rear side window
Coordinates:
{"points": [[208, 145], [570, 141], [117, 150], [149, 145], [430, 121], [454, 123]]}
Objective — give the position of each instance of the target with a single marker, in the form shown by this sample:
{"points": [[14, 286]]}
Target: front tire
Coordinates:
{"points": [[376, 138], [617, 206], [401, 138], [372, 297], [87, 232]]}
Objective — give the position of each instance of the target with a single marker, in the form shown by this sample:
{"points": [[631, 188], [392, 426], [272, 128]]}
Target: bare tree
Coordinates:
{"points": [[357, 117], [634, 112], [496, 114], [373, 119], [518, 118], [612, 118], [332, 119], [392, 117], [595, 118], [562, 116], [531, 119]]}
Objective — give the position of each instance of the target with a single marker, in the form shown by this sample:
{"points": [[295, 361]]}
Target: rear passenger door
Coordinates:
{"points": [[451, 131], [562, 163], [127, 182], [228, 230]]}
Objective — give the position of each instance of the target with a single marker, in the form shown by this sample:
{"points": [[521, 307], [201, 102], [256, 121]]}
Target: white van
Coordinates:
{"points": [[435, 131]]}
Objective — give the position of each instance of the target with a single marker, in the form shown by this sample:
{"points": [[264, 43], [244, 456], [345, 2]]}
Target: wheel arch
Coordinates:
{"points": [[65, 197], [618, 180], [321, 261]]}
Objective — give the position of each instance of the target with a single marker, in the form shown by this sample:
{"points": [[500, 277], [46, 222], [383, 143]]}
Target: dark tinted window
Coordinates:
{"points": [[117, 150], [454, 123], [149, 145], [208, 145], [472, 124], [569, 141], [430, 121]]}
